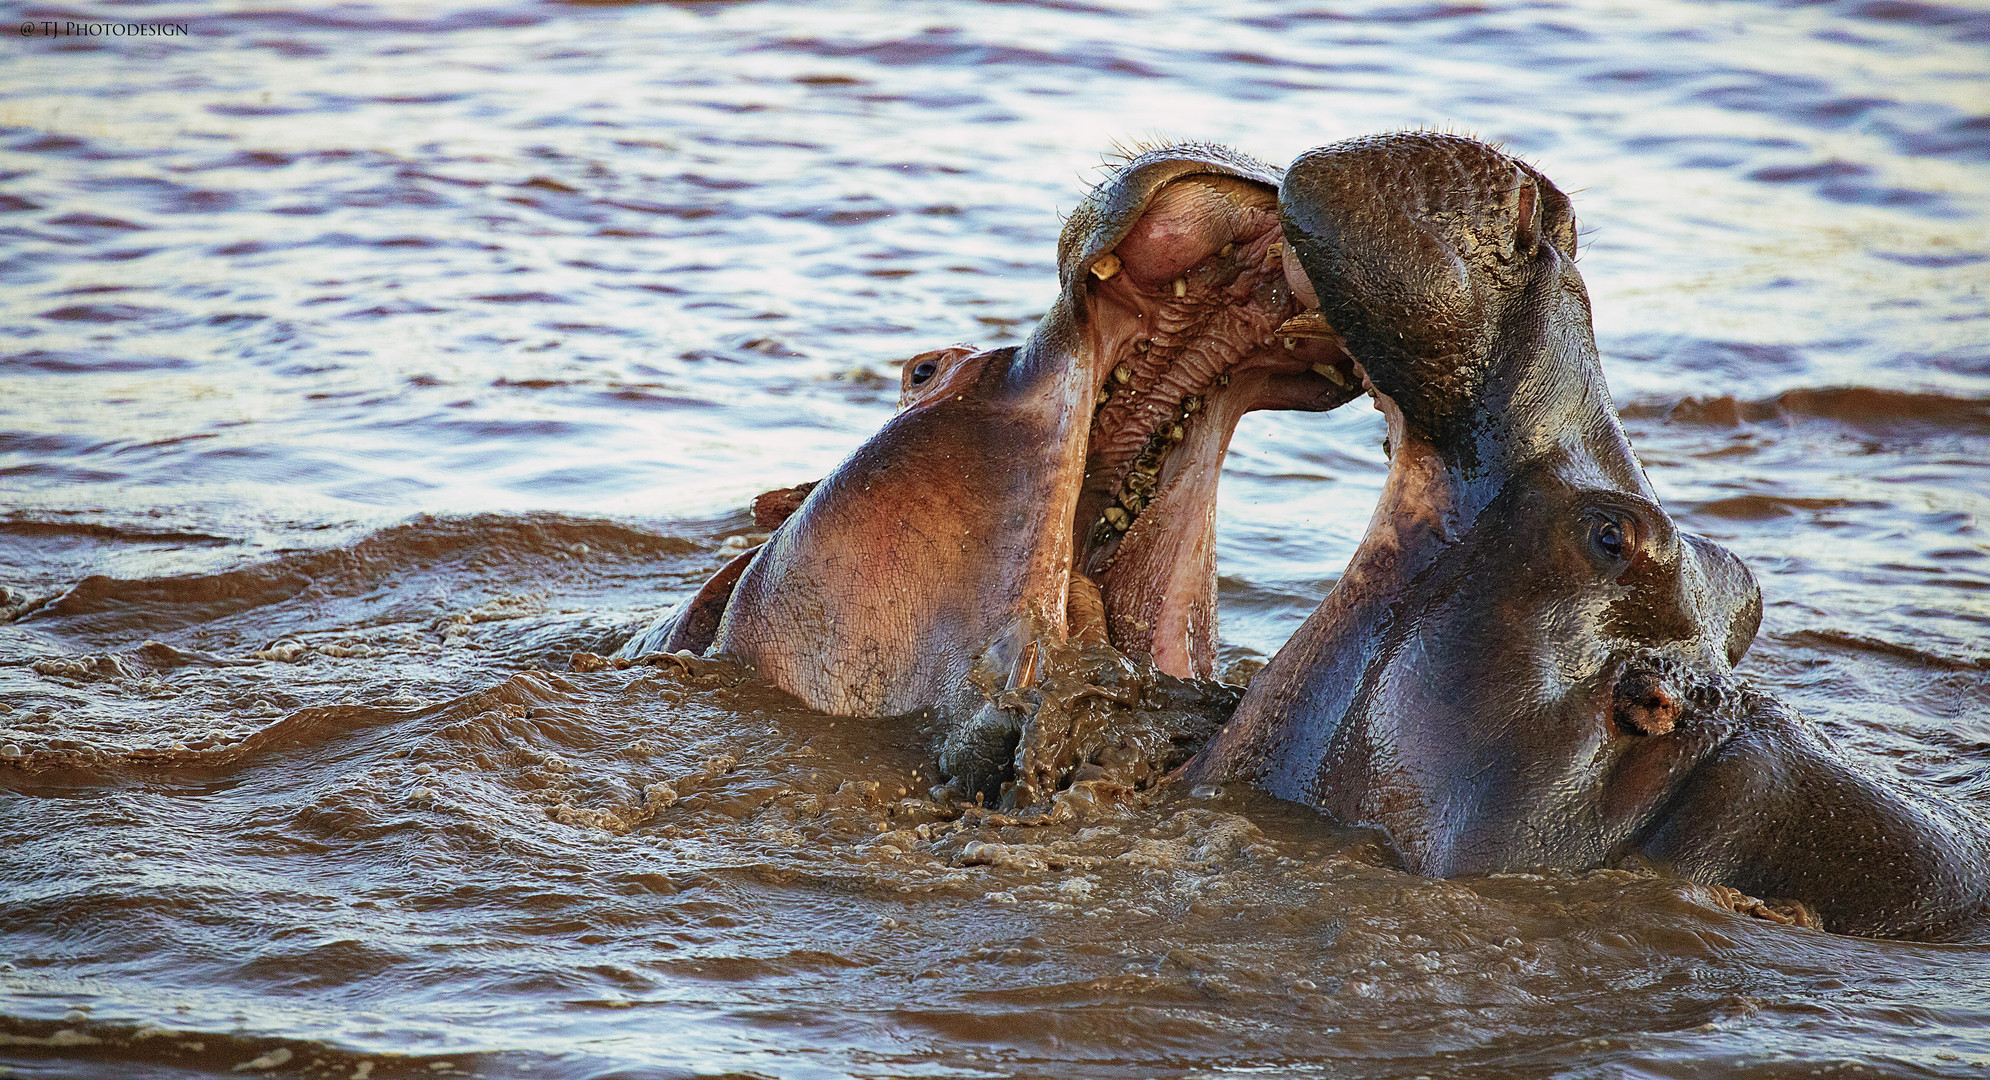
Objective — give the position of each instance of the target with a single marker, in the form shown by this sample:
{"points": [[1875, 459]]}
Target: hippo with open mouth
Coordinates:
{"points": [[1525, 663], [1027, 497]]}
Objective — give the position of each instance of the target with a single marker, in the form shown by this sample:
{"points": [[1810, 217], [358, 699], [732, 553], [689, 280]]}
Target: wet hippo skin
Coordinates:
{"points": [[1525, 662], [1024, 497]]}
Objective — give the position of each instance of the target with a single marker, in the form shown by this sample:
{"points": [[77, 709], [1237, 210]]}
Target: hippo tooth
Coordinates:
{"points": [[1132, 501], [1331, 373], [1223, 379], [1191, 406], [1024, 674], [1122, 374], [1287, 342], [1227, 249], [1181, 288], [1105, 395], [1142, 345], [1275, 252], [1309, 324], [1106, 267], [1175, 433], [1117, 518]]}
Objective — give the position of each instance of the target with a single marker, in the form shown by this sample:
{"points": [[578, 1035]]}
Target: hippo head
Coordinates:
{"points": [[1524, 655], [1060, 490]]}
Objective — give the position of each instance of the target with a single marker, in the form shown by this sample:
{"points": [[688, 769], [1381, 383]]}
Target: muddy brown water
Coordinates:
{"points": [[362, 364]]}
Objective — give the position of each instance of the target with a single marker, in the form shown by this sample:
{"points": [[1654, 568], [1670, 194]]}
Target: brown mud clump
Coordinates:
{"points": [[1096, 723]]}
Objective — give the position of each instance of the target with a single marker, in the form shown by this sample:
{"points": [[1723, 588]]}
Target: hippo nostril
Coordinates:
{"points": [[1643, 706]]}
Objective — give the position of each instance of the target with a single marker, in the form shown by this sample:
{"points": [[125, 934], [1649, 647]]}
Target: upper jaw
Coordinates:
{"points": [[1195, 351]]}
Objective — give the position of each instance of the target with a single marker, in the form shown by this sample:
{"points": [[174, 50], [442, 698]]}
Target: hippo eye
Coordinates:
{"points": [[1613, 538], [923, 372]]}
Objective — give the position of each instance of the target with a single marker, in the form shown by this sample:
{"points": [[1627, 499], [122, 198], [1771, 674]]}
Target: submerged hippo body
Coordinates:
{"points": [[1525, 663], [1023, 497]]}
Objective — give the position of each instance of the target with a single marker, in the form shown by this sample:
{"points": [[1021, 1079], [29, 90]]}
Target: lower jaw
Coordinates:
{"points": [[1176, 634], [1157, 580], [1169, 635], [1167, 616]]}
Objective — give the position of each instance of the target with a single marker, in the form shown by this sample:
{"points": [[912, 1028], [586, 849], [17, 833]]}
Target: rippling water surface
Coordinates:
{"points": [[359, 364]]}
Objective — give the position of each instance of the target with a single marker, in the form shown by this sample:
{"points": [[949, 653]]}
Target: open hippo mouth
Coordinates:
{"points": [[1181, 337]]}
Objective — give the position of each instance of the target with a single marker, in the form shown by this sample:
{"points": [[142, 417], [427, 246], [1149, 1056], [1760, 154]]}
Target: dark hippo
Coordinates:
{"points": [[1525, 662], [1026, 497]]}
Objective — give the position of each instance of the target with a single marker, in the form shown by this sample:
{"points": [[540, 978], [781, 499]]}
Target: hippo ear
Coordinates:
{"points": [[1555, 213], [1526, 236], [1111, 210], [1540, 212], [1725, 591]]}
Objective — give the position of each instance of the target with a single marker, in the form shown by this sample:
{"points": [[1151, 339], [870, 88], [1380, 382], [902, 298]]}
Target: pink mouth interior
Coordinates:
{"points": [[1185, 319]]}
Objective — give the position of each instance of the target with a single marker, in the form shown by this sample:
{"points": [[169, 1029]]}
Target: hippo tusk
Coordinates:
{"points": [[1024, 674]]}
